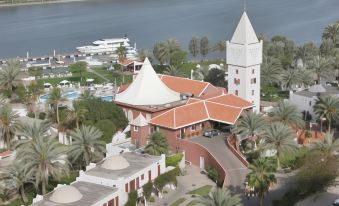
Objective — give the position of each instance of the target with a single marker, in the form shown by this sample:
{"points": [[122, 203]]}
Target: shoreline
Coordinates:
{"points": [[39, 3]]}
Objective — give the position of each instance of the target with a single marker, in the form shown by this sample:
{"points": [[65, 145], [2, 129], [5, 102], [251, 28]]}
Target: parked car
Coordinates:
{"points": [[336, 202], [211, 133]]}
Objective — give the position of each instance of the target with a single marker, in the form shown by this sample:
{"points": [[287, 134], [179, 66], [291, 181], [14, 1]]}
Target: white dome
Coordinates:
{"points": [[116, 162], [66, 194]]}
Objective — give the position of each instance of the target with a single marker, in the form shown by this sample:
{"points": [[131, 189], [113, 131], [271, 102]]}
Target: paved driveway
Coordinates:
{"points": [[236, 171]]}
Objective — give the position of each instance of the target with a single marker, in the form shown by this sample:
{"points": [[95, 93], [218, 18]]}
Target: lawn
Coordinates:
{"points": [[192, 203], [178, 201], [202, 191], [114, 76]]}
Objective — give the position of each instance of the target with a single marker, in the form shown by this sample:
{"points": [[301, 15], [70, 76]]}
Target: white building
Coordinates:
{"points": [[106, 183], [244, 57], [305, 99]]}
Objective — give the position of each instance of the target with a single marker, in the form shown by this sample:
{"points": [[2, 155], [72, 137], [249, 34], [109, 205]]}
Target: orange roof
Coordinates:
{"points": [[6, 153], [184, 85], [126, 62], [231, 100], [221, 108]]}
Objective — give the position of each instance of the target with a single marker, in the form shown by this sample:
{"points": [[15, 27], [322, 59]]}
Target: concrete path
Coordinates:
{"points": [[323, 199], [235, 169], [100, 75], [192, 180]]}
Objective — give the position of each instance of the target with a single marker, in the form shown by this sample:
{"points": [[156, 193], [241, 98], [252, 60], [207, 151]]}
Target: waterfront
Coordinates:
{"points": [[41, 28]]}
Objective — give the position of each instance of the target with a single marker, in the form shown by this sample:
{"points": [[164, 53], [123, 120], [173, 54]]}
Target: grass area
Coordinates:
{"points": [[74, 78], [202, 191], [114, 76], [178, 201], [192, 203]]}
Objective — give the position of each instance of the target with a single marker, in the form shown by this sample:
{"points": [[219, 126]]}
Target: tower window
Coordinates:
{"points": [[236, 81], [252, 71], [252, 92], [253, 80], [236, 92], [236, 71]]}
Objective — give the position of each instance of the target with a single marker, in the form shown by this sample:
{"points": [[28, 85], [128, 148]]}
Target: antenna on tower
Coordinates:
{"points": [[244, 2]]}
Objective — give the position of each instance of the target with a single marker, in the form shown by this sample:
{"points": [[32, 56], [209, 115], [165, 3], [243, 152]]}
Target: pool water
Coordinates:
{"points": [[107, 98], [71, 95]]}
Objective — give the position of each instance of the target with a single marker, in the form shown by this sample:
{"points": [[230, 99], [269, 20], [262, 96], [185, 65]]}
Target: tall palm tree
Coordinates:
{"points": [[45, 158], [220, 46], [32, 131], [261, 176], [173, 71], [77, 114], [329, 145], [34, 91], [8, 123], [143, 53], [327, 107], [163, 51], [332, 32], [306, 53], [288, 114], [158, 144], [86, 145], [250, 124], [280, 138], [55, 98], [121, 52], [322, 67], [290, 78], [9, 75], [220, 197], [15, 176], [271, 71]]}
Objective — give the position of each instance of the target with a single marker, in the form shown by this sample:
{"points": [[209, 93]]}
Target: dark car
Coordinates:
{"points": [[211, 133], [336, 202]]}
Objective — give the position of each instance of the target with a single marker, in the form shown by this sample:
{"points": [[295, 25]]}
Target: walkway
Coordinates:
{"points": [[235, 170]]}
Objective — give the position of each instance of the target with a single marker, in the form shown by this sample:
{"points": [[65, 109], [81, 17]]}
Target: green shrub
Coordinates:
{"points": [[212, 173], [294, 160], [30, 114], [167, 178], [151, 199], [108, 129], [42, 115], [174, 160], [132, 198], [148, 188]]}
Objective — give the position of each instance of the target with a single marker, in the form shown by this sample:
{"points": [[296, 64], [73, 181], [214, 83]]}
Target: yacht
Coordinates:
{"points": [[108, 45]]}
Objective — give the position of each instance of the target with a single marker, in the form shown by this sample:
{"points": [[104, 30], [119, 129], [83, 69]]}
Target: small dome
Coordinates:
{"points": [[66, 194], [318, 88], [116, 162]]}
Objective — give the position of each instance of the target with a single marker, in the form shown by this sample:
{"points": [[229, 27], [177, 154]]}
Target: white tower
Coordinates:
{"points": [[244, 57]]}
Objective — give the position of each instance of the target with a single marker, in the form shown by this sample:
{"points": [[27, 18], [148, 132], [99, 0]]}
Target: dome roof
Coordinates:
{"points": [[66, 194], [318, 88], [116, 162]]}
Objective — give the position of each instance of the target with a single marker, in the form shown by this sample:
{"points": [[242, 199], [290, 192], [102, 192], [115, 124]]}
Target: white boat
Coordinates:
{"points": [[108, 45], [92, 62]]}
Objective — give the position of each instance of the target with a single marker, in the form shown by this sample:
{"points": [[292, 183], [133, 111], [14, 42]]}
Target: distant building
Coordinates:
{"points": [[306, 99], [106, 183], [244, 57]]}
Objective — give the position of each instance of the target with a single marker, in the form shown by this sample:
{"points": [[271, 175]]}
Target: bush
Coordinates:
{"points": [[174, 160], [132, 198], [294, 160], [108, 129], [212, 173], [31, 115], [151, 199], [148, 188], [167, 178], [158, 144], [42, 115]]}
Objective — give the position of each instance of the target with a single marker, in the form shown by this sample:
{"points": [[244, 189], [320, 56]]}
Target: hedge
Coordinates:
{"points": [[174, 160]]}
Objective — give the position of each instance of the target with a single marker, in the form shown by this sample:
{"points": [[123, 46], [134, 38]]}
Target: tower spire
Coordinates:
{"points": [[244, 2]]}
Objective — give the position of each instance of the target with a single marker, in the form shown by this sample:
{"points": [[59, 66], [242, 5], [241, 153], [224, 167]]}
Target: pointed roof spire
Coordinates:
{"points": [[244, 33], [147, 89]]}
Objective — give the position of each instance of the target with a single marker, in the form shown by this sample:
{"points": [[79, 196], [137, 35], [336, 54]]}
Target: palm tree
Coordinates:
{"points": [[219, 46], [220, 197], [15, 176], [173, 71], [321, 66], [327, 107], [271, 71], [45, 158], [121, 52], [158, 144], [32, 131], [9, 75], [261, 176], [8, 123], [250, 125], [77, 114], [3, 100], [280, 138], [329, 145], [86, 95], [288, 114], [163, 51], [86, 145], [143, 53], [34, 91], [306, 53], [332, 32], [55, 99], [290, 78]]}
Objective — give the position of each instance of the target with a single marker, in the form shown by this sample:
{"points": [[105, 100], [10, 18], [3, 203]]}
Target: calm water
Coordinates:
{"points": [[41, 28]]}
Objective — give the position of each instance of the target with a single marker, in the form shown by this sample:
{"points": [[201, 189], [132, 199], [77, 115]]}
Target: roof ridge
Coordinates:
{"points": [[185, 78], [223, 104], [206, 109]]}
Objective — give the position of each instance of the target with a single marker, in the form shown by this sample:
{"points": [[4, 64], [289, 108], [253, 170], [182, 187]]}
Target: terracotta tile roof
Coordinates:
{"points": [[126, 62], [184, 85], [225, 108], [6, 153], [231, 100]]}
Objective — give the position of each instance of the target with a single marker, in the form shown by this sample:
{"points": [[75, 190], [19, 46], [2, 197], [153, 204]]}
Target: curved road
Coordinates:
{"points": [[235, 170]]}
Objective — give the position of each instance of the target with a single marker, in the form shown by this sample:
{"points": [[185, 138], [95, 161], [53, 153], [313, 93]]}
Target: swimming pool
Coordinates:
{"points": [[70, 95], [107, 98]]}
